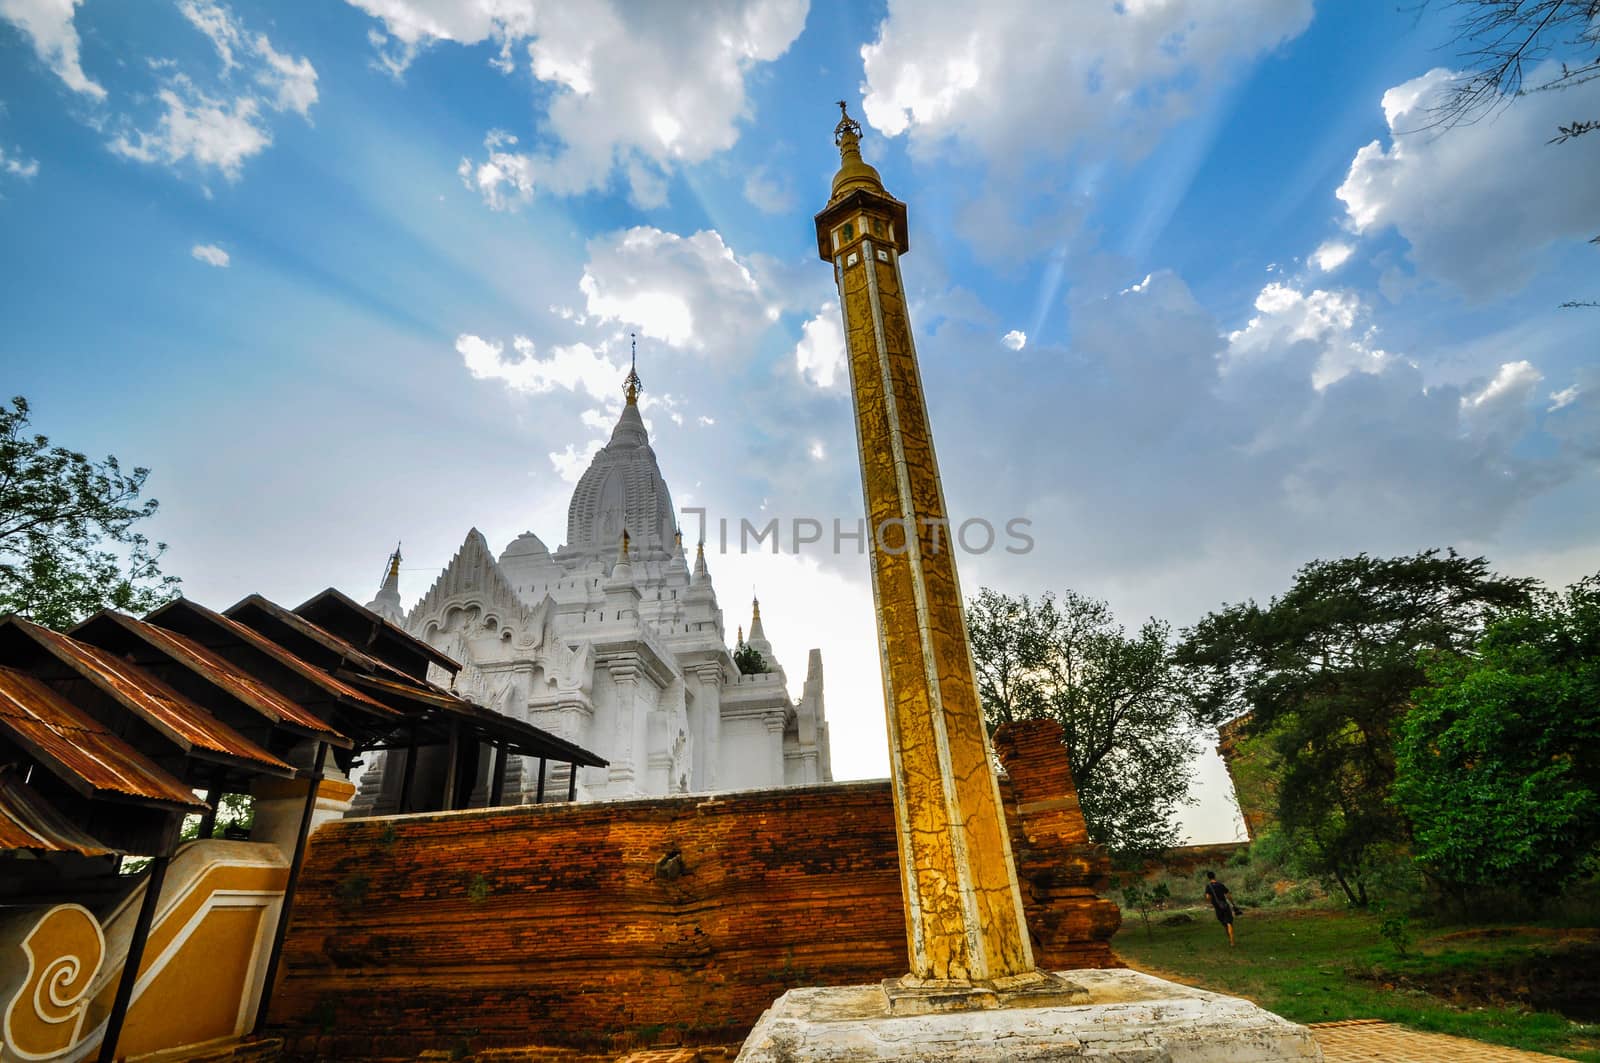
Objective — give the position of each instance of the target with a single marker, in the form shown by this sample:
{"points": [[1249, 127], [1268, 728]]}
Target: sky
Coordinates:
{"points": [[1198, 293]]}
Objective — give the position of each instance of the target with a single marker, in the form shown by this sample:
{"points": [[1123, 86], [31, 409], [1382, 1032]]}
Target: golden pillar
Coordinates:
{"points": [[964, 918]]}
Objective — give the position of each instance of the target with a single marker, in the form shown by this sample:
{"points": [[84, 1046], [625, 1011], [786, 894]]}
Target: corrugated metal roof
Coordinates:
{"points": [[222, 673], [174, 715], [533, 741], [350, 653], [78, 749], [334, 600], [336, 689], [28, 821]]}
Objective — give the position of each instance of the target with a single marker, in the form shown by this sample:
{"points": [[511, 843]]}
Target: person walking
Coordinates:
{"points": [[1221, 903]]}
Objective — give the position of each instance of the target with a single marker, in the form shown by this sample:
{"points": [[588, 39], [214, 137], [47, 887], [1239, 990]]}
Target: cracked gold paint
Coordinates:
{"points": [[964, 916]]}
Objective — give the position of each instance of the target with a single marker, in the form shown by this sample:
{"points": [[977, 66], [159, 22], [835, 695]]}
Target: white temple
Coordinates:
{"points": [[614, 643]]}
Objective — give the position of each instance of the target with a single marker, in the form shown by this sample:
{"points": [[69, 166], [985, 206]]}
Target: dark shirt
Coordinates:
{"points": [[1217, 894]]}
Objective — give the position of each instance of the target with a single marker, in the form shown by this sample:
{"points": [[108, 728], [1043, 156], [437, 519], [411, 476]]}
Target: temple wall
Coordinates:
{"points": [[613, 925]]}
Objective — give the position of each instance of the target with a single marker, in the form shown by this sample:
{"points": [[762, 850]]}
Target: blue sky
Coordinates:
{"points": [[1194, 291]]}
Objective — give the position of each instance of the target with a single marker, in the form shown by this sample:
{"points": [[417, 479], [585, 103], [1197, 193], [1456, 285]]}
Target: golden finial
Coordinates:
{"points": [[741, 636], [633, 385], [677, 538], [755, 609], [622, 555], [853, 170], [394, 563]]}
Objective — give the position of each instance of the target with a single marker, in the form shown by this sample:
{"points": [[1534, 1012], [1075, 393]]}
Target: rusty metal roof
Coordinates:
{"points": [[79, 750], [219, 672], [334, 602], [182, 721], [28, 821], [525, 737], [336, 689], [347, 651]]}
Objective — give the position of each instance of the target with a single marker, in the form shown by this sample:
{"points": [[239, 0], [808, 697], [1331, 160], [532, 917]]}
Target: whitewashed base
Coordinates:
{"points": [[1129, 1018]]}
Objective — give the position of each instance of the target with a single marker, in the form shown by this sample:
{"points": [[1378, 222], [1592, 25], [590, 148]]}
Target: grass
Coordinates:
{"points": [[1322, 966]]}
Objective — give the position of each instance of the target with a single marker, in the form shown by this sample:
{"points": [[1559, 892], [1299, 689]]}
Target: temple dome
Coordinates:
{"points": [[622, 490], [525, 545]]}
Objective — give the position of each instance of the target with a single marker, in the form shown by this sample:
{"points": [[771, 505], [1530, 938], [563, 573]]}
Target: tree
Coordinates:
{"points": [[1502, 39], [1121, 704], [748, 660], [59, 512], [1326, 671], [1498, 764]]}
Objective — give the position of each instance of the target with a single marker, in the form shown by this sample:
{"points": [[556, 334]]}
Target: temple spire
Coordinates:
{"points": [[633, 385], [387, 603]]}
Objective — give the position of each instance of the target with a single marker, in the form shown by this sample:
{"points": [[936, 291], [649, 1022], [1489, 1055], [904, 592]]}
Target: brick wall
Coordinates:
{"points": [[603, 927]]}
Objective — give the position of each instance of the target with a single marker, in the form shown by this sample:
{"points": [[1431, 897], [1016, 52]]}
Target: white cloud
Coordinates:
{"points": [[1021, 85], [768, 194], [17, 166], [689, 292], [1016, 339], [571, 462], [1564, 397], [1010, 79], [220, 127], [210, 254], [292, 82], [704, 421], [819, 356], [1328, 322], [1478, 202], [1331, 255], [576, 367], [619, 102], [48, 26], [817, 451], [209, 132], [1503, 409]]}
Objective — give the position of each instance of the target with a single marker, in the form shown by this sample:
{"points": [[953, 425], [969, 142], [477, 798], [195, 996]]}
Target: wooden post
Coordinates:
{"points": [[410, 774], [572, 782], [282, 928], [497, 785], [136, 944], [450, 768], [208, 819], [538, 797]]}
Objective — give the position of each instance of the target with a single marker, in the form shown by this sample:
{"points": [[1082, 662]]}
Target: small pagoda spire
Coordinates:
{"points": [[700, 571], [633, 385], [387, 602]]}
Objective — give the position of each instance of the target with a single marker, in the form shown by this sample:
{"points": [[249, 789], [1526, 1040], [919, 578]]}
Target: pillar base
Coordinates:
{"points": [[1086, 1015]]}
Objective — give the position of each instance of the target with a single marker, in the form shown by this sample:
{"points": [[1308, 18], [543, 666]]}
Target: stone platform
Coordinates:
{"points": [[1116, 1015]]}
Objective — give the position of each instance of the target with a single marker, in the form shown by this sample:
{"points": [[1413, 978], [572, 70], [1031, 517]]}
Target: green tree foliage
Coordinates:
{"points": [[1119, 699], [68, 544], [748, 660], [1326, 671], [1499, 762]]}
